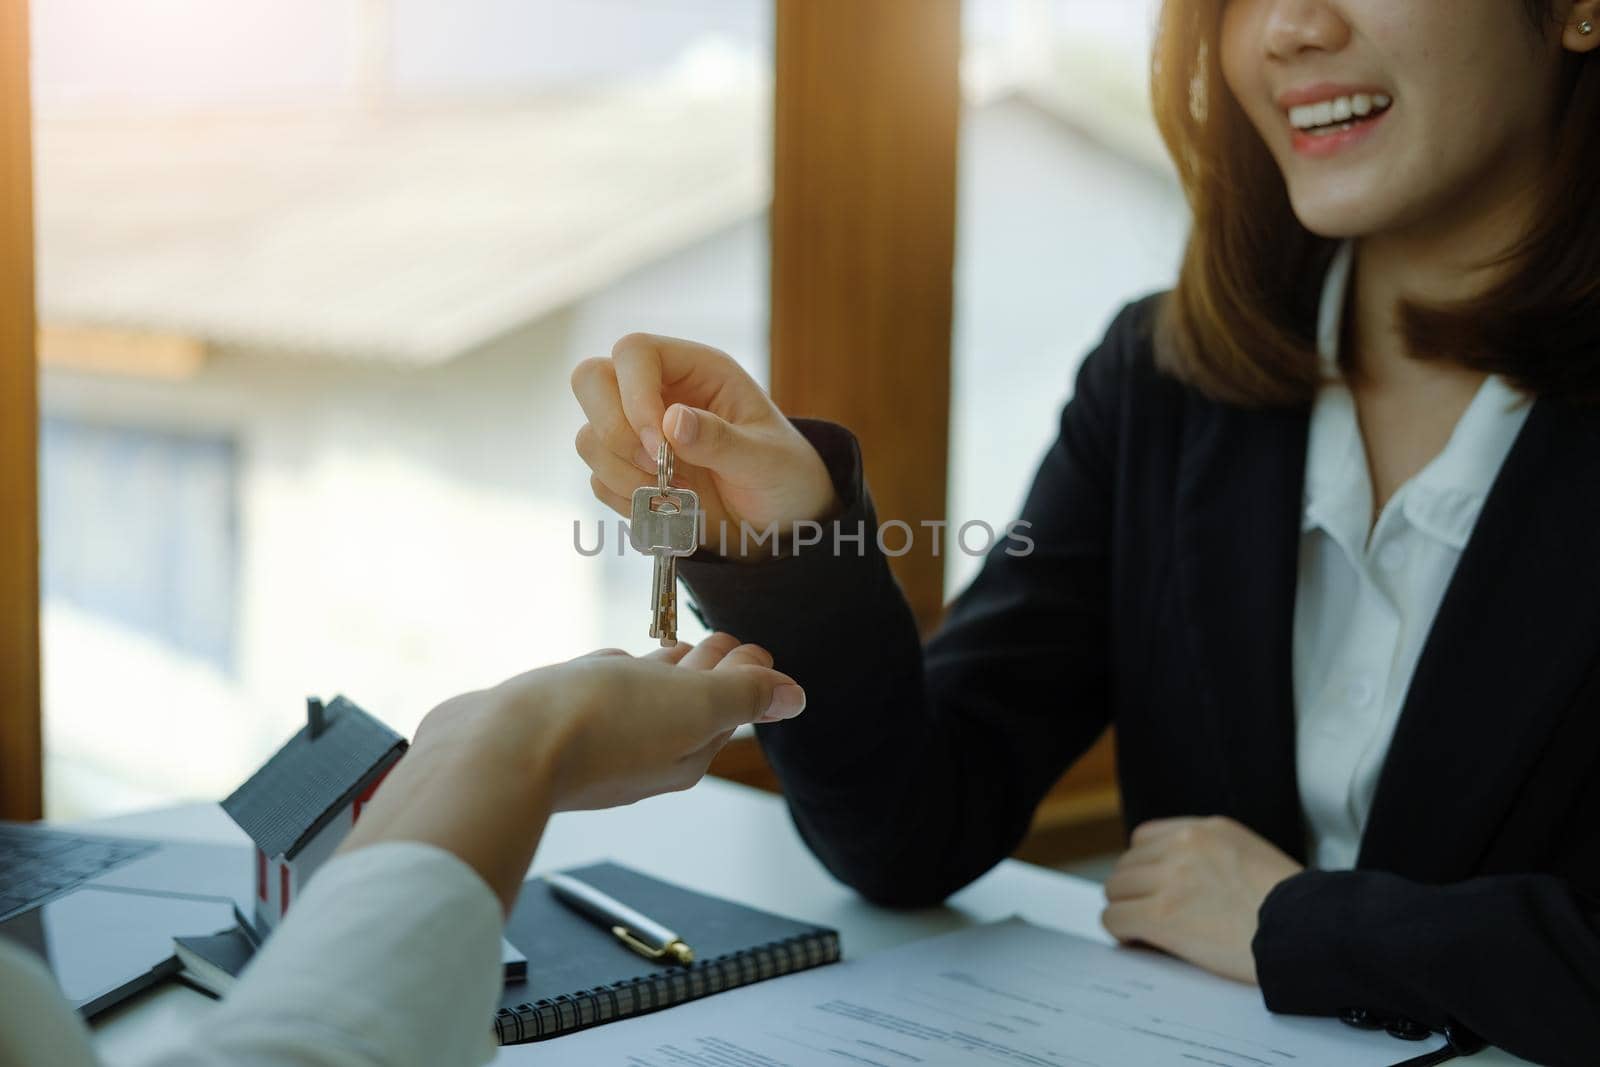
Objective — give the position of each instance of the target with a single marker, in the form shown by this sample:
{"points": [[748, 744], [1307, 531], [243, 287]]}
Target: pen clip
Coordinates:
{"points": [[676, 950]]}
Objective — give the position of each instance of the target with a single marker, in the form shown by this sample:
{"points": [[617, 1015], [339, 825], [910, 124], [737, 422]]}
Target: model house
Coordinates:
{"points": [[301, 804]]}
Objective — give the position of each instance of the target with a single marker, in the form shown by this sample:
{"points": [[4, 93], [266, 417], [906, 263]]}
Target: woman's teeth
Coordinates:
{"points": [[1339, 113]]}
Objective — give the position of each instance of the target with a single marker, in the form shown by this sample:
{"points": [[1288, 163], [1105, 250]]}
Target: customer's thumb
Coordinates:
{"points": [[745, 693]]}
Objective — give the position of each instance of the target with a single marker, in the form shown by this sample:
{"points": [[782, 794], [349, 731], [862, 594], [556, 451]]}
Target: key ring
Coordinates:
{"points": [[663, 468]]}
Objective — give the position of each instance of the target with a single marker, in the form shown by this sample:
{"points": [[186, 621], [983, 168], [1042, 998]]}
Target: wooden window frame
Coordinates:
{"points": [[866, 114], [21, 756]]}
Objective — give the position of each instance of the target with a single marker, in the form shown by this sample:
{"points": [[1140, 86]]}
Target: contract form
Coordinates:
{"points": [[1009, 994]]}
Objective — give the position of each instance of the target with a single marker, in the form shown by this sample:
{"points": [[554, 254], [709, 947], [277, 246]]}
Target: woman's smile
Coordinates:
{"points": [[1477, 80], [1326, 119]]}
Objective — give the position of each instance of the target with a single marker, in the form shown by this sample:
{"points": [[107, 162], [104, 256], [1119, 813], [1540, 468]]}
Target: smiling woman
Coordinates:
{"points": [[1476, 120], [1316, 536]]}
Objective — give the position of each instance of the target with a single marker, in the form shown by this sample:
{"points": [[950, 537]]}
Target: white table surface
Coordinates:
{"points": [[717, 837]]}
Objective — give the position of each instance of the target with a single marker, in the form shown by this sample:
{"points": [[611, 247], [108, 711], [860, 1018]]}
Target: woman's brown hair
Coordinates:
{"points": [[1240, 323]]}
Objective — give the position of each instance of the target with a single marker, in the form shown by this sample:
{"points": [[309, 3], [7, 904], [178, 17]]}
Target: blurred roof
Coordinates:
{"points": [[408, 235]]}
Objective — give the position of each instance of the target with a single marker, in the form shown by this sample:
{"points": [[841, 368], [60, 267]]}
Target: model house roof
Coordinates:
{"points": [[313, 777], [411, 236]]}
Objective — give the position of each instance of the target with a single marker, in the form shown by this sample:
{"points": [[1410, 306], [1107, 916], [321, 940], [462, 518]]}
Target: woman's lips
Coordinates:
{"points": [[1323, 145]]}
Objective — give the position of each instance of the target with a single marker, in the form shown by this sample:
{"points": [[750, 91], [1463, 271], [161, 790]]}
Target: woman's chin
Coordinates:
{"points": [[1339, 218]]}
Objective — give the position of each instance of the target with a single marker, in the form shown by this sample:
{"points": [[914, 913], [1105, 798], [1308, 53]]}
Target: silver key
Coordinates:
{"points": [[665, 523]]}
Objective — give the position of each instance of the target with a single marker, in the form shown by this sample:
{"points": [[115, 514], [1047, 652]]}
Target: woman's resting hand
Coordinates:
{"points": [[1193, 887]]}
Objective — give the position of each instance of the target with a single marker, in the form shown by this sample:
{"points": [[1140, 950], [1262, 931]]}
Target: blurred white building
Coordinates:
{"points": [[307, 424]]}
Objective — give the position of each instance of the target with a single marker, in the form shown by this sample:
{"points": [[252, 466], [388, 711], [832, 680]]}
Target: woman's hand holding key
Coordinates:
{"points": [[734, 448]]}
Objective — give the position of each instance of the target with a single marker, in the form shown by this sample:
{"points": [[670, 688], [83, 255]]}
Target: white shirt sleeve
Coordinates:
{"points": [[37, 1025], [390, 958]]}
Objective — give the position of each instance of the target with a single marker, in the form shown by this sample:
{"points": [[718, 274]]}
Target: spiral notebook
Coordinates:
{"points": [[580, 975]]}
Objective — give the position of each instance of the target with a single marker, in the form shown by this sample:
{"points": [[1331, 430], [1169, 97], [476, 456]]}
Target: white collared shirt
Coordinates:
{"points": [[1363, 607], [391, 956]]}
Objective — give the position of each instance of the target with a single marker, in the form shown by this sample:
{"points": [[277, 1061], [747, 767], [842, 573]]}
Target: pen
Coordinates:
{"points": [[639, 932]]}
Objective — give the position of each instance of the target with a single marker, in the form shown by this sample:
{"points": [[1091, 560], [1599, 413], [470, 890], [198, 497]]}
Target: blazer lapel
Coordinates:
{"points": [[1239, 505], [1517, 629]]}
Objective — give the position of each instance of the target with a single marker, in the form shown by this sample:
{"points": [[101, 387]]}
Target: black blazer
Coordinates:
{"points": [[1159, 597]]}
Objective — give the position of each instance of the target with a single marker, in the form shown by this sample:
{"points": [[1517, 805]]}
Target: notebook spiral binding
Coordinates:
{"points": [[545, 1019]]}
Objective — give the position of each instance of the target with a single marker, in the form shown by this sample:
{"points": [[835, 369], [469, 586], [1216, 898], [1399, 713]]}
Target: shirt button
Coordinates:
{"points": [[1392, 557], [1359, 692]]}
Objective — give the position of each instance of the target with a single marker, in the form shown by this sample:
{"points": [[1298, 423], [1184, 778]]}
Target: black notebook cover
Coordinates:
{"points": [[580, 975]]}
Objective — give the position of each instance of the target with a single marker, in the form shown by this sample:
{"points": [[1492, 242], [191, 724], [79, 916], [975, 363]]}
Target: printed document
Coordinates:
{"points": [[1008, 994]]}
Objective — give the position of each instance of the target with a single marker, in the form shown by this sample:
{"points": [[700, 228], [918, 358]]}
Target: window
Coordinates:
{"points": [[1068, 210], [326, 267], [140, 529]]}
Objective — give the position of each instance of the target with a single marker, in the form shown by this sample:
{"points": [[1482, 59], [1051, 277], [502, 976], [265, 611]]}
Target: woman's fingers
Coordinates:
{"points": [[1127, 921], [707, 440], [615, 501], [1153, 830], [637, 362], [594, 383], [1143, 854], [619, 476], [1132, 883], [649, 368]]}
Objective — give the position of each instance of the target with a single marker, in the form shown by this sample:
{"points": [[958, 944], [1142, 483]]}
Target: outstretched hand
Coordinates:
{"points": [[653, 725], [488, 768]]}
